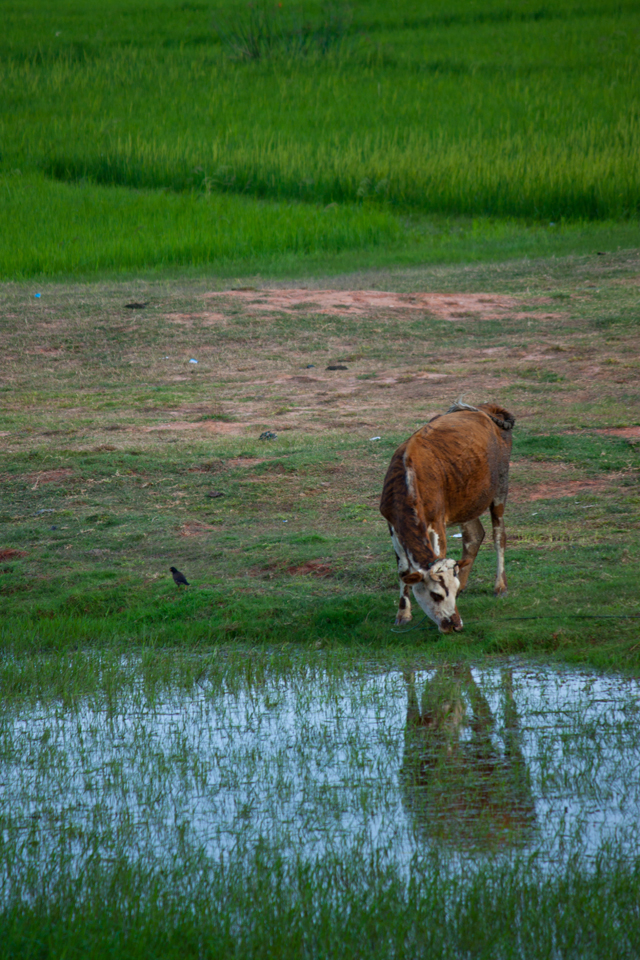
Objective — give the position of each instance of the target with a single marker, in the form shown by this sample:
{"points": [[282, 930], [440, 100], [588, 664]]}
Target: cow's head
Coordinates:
{"points": [[436, 592]]}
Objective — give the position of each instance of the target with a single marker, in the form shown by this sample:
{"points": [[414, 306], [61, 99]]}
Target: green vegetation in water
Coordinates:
{"points": [[459, 131], [222, 805]]}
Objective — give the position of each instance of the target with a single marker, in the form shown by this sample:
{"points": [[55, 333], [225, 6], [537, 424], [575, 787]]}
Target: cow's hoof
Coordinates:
{"points": [[400, 621], [500, 591]]}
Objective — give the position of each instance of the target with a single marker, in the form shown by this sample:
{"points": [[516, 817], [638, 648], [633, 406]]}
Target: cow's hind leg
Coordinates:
{"points": [[404, 607], [500, 541], [472, 537]]}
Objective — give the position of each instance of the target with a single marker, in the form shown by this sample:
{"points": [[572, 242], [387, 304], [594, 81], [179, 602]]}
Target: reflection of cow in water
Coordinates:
{"points": [[458, 786]]}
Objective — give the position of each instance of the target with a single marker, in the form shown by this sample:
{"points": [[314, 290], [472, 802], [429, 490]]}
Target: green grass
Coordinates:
{"points": [[463, 131], [274, 911], [73, 229], [101, 505], [55, 229]]}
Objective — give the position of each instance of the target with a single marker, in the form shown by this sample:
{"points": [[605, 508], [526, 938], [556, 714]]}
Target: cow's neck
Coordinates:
{"points": [[413, 548]]}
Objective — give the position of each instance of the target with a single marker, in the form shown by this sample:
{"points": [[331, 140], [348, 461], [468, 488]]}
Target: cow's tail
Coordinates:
{"points": [[501, 417]]}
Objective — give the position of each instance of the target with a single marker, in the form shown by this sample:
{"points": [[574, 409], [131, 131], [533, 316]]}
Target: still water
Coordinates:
{"points": [[489, 762]]}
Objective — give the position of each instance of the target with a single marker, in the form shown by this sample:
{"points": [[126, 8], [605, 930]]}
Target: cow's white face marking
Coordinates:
{"points": [[404, 561], [410, 479], [437, 594], [434, 539]]}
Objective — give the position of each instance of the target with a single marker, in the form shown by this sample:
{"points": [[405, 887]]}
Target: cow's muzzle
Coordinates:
{"points": [[451, 624]]}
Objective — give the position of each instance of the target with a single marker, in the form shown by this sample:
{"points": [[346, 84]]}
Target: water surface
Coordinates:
{"points": [[508, 761]]}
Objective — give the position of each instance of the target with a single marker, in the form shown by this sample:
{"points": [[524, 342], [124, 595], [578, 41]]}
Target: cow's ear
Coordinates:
{"points": [[411, 578], [461, 564]]}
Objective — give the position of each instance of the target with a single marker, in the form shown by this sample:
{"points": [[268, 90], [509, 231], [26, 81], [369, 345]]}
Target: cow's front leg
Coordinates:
{"points": [[500, 541], [404, 607], [472, 537]]}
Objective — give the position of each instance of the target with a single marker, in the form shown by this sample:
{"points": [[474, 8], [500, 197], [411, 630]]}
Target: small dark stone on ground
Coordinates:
{"points": [[137, 306], [214, 494], [268, 435], [337, 366]]}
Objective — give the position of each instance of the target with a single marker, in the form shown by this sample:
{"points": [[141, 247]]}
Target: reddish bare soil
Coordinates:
{"points": [[210, 426], [195, 529], [204, 319], [315, 568], [49, 476], [362, 302], [629, 432], [553, 490]]}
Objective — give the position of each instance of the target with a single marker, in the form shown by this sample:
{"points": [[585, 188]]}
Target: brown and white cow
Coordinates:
{"points": [[449, 472]]}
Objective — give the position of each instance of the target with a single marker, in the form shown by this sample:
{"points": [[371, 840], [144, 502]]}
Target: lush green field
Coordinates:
{"points": [[465, 110]]}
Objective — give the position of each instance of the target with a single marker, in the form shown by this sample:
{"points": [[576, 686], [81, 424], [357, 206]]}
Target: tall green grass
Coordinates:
{"points": [[466, 138], [480, 110], [534, 116], [54, 228]]}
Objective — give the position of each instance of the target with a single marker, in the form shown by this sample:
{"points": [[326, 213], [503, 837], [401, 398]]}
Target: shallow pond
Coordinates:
{"points": [[484, 762]]}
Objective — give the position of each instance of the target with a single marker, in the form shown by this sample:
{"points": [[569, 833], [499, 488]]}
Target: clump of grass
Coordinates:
{"points": [[264, 31]]}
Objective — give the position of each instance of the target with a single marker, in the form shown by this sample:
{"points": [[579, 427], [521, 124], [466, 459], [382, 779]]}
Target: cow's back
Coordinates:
{"points": [[450, 469]]}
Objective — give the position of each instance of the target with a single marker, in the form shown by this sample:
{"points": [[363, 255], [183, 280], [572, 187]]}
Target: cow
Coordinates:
{"points": [[449, 472]]}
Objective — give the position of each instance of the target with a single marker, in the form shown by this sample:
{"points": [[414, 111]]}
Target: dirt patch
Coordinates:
{"points": [[628, 432], [555, 490], [205, 319], [476, 306], [245, 461], [48, 476], [211, 426], [10, 554], [194, 528], [314, 568]]}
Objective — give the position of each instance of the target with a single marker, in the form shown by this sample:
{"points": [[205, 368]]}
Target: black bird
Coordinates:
{"points": [[178, 578]]}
